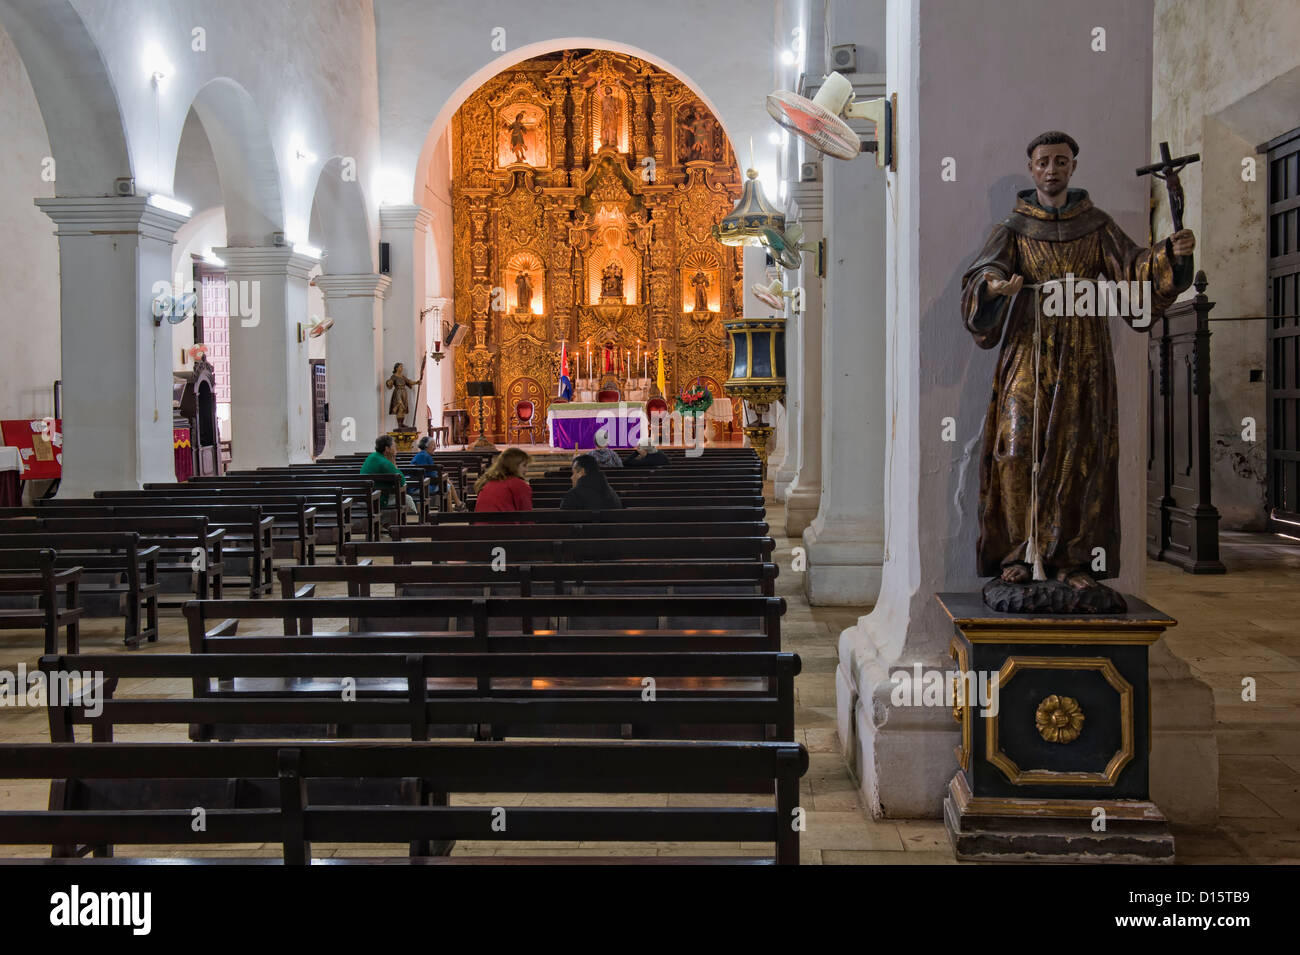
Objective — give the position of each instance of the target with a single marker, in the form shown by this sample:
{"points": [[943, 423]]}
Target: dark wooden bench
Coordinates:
{"points": [[528, 580], [365, 492], [294, 526], [523, 551], [748, 695], [114, 566], [575, 531], [373, 486], [33, 573], [189, 551], [636, 499], [295, 820], [639, 515], [594, 623], [248, 539]]}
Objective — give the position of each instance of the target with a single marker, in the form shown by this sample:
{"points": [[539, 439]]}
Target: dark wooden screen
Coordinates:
{"points": [[1284, 332], [320, 397]]}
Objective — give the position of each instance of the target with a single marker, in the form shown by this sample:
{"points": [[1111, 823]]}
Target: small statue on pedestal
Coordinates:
{"points": [[1049, 471], [400, 405]]}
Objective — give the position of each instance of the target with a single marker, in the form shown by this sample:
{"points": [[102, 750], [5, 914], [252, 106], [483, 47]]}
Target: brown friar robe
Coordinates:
{"points": [[1078, 432]]}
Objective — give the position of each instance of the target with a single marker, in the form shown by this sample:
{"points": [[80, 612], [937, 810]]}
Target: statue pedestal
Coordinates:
{"points": [[405, 439], [1054, 760]]}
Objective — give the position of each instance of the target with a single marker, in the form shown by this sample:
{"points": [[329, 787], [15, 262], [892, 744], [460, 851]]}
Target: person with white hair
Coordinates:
{"points": [[605, 456], [646, 455]]}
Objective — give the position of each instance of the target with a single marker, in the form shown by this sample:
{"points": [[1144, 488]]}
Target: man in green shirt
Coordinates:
{"points": [[382, 461]]}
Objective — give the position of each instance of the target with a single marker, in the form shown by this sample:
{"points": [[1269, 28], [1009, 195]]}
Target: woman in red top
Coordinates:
{"points": [[502, 486]]}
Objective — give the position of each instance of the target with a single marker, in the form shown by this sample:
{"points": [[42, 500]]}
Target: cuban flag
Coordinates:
{"points": [[566, 386]]}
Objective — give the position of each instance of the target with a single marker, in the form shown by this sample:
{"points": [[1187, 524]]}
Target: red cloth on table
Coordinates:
{"points": [[22, 433], [510, 494]]}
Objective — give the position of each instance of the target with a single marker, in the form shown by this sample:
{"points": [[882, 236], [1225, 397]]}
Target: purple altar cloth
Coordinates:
{"points": [[580, 433]]}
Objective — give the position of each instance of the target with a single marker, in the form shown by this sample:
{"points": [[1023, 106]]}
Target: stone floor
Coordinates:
{"points": [[1232, 626]]}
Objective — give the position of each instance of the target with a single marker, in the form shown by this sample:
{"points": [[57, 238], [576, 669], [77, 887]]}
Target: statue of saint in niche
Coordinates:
{"points": [[611, 281], [520, 136], [611, 114], [523, 290], [1054, 411], [697, 136], [700, 282], [400, 405]]}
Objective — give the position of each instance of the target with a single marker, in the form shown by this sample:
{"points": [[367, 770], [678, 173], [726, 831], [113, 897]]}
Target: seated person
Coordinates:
{"points": [[423, 459], [646, 455], [605, 456], [383, 460], [503, 487], [590, 491]]}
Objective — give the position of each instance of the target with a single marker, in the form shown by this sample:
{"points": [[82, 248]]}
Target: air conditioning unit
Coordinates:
{"points": [[810, 172], [844, 58], [124, 186], [277, 240]]}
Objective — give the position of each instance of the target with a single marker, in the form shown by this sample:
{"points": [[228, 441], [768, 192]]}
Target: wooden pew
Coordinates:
{"points": [[295, 821], [437, 695], [248, 532], [188, 549], [575, 531], [114, 565], [33, 573], [625, 515], [364, 490], [503, 624], [527, 580], [522, 551], [294, 533]]}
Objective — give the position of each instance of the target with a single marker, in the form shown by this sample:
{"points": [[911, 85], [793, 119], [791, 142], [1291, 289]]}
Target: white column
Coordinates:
{"points": [[404, 228], [355, 357], [845, 541], [804, 494], [116, 363], [270, 382]]}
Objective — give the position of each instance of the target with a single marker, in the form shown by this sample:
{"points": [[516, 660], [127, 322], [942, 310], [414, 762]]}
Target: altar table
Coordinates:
{"points": [[574, 424]]}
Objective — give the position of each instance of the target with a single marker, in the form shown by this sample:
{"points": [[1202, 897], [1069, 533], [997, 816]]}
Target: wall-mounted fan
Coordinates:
{"points": [[174, 308], [820, 121], [772, 295]]}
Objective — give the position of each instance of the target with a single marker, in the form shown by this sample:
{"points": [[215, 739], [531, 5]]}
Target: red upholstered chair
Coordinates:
{"points": [[607, 394], [525, 412], [655, 406]]}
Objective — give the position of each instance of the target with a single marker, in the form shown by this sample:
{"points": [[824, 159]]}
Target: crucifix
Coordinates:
{"points": [[1167, 170]]}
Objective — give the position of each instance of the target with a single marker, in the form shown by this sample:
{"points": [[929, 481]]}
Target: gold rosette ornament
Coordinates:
{"points": [[1059, 719]]}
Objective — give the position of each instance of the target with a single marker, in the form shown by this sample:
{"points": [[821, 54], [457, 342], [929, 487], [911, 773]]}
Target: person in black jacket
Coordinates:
{"points": [[646, 455], [590, 491]]}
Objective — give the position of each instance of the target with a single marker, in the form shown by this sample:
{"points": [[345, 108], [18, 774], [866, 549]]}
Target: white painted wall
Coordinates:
{"points": [[29, 267], [1227, 78]]}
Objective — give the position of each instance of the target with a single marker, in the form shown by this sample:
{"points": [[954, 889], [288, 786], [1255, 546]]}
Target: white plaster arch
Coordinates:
{"points": [[76, 94], [246, 163], [340, 223], [506, 61]]}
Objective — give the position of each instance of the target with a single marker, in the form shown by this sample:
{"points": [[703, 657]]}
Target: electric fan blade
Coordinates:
{"points": [[816, 125]]}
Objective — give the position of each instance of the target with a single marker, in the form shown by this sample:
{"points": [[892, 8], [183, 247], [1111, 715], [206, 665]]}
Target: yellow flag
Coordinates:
{"points": [[659, 373]]}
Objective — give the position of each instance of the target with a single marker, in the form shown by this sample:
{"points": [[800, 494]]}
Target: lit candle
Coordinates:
{"points": [[437, 345], [645, 364]]}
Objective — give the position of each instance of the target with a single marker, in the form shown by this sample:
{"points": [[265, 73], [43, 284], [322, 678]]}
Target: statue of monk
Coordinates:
{"points": [[701, 283], [523, 290], [1052, 232], [400, 405]]}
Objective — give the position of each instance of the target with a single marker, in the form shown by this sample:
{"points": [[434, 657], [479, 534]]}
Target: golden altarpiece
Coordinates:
{"points": [[584, 185]]}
